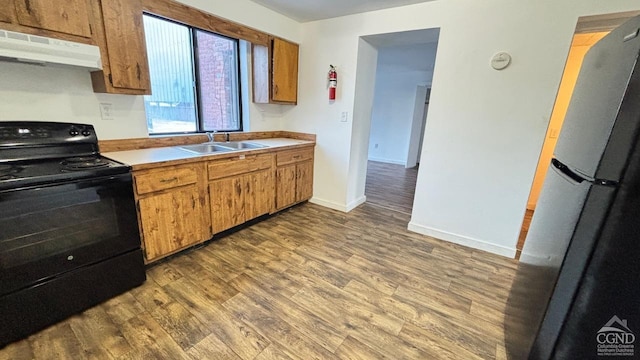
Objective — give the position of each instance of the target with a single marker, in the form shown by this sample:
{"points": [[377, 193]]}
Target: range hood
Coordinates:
{"points": [[39, 50]]}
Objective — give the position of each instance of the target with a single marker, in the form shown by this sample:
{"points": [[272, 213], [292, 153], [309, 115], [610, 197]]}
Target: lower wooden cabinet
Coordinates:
{"points": [[170, 221], [183, 205], [258, 196], [294, 177], [227, 208], [172, 208], [240, 189], [304, 180], [285, 186]]}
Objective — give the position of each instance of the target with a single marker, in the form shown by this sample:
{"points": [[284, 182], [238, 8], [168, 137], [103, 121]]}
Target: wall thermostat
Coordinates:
{"points": [[500, 60]]}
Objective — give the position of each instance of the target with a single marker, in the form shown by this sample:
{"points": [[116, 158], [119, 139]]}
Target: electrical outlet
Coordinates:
{"points": [[106, 111], [344, 117]]}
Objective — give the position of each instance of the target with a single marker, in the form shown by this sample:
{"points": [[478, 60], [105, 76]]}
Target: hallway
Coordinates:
{"points": [[391, 186]]}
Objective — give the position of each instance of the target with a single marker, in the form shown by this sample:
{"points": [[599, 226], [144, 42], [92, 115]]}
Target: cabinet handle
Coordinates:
{"points": [[296, 156], [275, 89], [175, 178]]}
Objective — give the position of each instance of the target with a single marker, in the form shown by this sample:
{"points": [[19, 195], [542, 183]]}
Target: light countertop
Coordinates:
{"points": [[140, 157]]}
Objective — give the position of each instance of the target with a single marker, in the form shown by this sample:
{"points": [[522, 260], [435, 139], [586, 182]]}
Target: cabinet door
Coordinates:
{"points": [[170, 221], [227, 198], [285, 71], [304, 180], [285, 186], [126, 49], [258, 196], [8, 13], [68, 16]]}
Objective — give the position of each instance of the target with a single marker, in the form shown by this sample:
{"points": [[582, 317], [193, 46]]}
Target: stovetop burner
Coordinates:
{"points": [[34, 153], [83, 163]]}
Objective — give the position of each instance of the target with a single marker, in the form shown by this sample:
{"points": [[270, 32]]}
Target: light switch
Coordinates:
{"points": [[344, 117]]}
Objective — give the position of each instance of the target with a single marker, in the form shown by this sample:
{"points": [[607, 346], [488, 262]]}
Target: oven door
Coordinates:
{"points": [[46, 231]]}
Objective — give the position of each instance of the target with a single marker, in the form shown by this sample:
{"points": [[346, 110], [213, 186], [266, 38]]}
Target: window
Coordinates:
{"points": [[194, 79]]}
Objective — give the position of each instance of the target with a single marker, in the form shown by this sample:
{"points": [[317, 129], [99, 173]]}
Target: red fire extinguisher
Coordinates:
{"points": [[333, 82]]}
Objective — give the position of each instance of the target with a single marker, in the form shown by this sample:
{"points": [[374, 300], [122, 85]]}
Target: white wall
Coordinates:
{"points": [[364, 94], [30, 92], [400, 70], [484, 129], [392, 118]]}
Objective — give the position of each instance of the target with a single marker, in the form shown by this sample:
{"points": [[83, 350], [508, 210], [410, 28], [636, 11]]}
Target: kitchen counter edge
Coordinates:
{"points": [[142, 159]]}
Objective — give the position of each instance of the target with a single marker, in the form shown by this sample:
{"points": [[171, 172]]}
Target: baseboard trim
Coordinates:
{"points": [[340, 207], [355, 203], [463, 240], [328, 204], [388, 161]]}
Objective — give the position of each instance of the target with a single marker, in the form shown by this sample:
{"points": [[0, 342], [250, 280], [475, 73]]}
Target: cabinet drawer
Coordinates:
{"points": [[165, 179], [295, 155], [238, 165]]}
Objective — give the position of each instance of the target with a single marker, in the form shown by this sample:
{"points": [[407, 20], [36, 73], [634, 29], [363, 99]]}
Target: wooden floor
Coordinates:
{"points": [[391, 186], [309, 283], [526, 222]]}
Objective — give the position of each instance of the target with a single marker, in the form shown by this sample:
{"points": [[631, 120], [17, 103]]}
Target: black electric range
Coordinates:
{"points": [[69, 236]]}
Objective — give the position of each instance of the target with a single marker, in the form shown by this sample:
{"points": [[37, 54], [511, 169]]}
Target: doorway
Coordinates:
{"points": [[579, 46], [590, 30], [404, 71], [418, 125]]}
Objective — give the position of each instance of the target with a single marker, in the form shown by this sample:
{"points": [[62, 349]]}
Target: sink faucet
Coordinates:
{"points": [[211, 134]]}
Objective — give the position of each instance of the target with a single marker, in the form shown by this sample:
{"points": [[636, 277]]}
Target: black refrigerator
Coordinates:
{"points": [[576, 294]]}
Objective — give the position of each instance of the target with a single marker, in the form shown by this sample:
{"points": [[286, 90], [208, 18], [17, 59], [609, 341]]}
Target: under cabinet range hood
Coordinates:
{"points": [[39, 50]]}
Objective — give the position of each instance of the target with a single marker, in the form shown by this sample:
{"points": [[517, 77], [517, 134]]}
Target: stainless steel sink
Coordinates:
{"points": [[217, 147], [206, 148], [240, 145]]}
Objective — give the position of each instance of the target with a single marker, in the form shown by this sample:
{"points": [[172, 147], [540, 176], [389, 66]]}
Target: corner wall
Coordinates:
{"points": [[485, 128]]}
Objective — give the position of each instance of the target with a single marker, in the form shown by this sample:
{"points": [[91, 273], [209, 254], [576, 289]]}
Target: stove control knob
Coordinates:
{"points": [[74, 132], [86, 132]]}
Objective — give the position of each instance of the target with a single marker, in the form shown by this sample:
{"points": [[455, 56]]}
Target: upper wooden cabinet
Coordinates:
{"points": [[285, 71], [275, 72], [120, 35], [65, 19], [7, 14], [65, 16]]}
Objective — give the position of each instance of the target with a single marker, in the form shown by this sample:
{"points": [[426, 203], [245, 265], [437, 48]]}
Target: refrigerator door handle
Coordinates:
{"points": [[564, 169]]}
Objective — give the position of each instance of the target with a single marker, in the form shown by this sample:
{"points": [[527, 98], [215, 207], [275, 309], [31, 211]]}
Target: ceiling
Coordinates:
{"points": [[310, 10], [404, 38], [605, 22], [408, 58]]}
